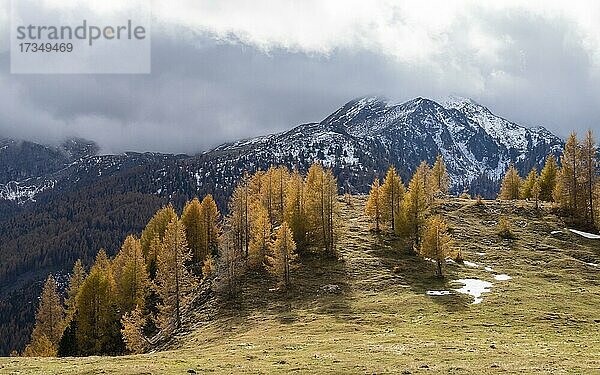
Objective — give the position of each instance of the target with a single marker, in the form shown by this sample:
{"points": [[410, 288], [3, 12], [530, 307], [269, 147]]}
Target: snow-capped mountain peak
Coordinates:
{"points": [[457, 102], [507, 133], [360, 140]]}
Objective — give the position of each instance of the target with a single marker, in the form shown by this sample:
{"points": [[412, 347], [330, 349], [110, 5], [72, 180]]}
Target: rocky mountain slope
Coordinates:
{"points": [[359, 140]]}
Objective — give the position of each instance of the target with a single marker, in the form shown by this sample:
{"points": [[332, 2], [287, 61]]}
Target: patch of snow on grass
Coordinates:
{"points": [[502, 277], [474, 287], [438, 292], [592, 264], [556, 232], [591, 236], [471, 264], [480, 254], [489, 269]]}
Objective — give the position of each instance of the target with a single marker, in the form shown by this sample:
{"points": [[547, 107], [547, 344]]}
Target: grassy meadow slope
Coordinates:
{"points": [[369, 312]]}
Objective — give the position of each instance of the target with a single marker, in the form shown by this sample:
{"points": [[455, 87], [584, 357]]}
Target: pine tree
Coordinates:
{"points": [[528, 184], [131, 278], [174, 281], [511, 184], [392, 193], [49, 322], [210, 222], [133, 332], [97, 317], [439, 174], [155, 229], [436, 243], [284, 254], [567, 192], [194, 229], [374, 208], [589, 153], [75, 281], [294, 213], [260, 234], [415, 204], [548, 179], [67, 346]]}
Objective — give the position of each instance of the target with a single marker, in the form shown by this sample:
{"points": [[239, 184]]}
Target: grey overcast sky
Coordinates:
{"points": [[224, 70]]}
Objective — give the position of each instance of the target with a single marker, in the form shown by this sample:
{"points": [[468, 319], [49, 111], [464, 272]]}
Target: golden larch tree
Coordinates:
{"points": [[268, 193], [392, 194], [535, 193], [174, 283], [97, 318], [260, 234], [238, 220], [331, 211], [133, 331], [548, 179], [230, 263], [511, 184], [41, 346], [416, 203], [373, 207], [75, 281], [436, 243], [281, 175], [208, 268], [284, 254], [589, 154], [49, 322], [321, 207], [194, 229], [131, 277], [294, 213], [528, 184], [210, 223], [439, 175], [155, 229], [568, 192]]}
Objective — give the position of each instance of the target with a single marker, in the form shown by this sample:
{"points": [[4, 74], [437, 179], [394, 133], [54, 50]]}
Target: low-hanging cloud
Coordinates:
{"points": [[226, 70]]}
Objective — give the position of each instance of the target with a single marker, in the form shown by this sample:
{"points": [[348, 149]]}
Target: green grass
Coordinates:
{"points": [[545, 320]]}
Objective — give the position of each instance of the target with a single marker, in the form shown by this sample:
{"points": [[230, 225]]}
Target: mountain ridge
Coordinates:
{"points": [[61, 203], [363, 137]]}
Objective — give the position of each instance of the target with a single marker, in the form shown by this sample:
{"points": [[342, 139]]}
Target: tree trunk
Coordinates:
{"points": [[177, 317], [392, 205]]}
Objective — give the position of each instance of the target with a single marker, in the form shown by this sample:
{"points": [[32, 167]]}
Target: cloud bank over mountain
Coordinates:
{"points": [[227, 70]]}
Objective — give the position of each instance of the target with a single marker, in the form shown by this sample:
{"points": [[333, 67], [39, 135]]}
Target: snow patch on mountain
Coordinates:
{"points": [[21, 192], [509, 134]]}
